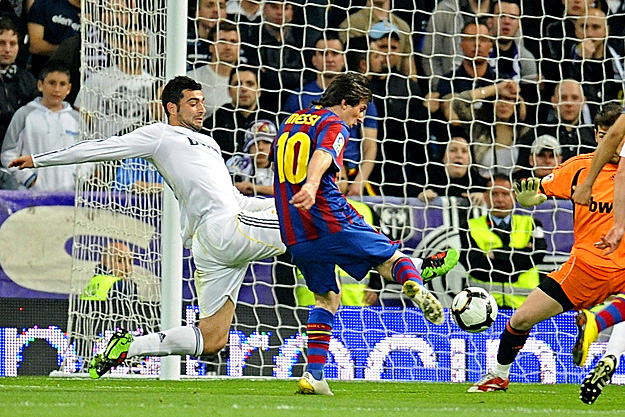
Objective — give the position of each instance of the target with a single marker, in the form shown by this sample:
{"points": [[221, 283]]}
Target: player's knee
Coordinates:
{"points": [[522, 321]]}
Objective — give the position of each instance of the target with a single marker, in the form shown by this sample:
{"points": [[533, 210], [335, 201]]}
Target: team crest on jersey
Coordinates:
{"points": [[339, 142], [548, 178]]}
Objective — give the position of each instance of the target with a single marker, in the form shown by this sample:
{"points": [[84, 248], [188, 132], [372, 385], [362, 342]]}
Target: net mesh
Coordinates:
{"points": [[121, 201]]}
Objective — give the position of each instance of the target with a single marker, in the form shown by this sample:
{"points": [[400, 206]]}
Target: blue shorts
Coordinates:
{"points": [[357, 249]]}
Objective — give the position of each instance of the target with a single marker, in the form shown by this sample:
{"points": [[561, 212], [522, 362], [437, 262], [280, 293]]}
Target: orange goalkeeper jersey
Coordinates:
{"points": [[593, 221]]}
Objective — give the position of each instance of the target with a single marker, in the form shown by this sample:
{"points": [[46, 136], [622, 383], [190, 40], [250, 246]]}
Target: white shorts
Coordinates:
{"points": [[223, 250]]}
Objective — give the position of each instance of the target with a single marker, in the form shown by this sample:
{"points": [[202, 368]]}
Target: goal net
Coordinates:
{"points": [[118, 204]]}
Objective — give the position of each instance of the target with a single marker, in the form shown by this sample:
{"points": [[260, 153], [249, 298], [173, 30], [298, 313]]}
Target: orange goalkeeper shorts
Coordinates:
{"points": [[585, 285]]}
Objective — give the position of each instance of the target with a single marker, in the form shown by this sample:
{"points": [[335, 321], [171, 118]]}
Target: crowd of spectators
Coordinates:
{"points": [[471, 75], [446, 75]]}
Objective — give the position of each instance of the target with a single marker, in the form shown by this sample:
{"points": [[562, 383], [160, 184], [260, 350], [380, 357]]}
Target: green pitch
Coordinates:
{"points": [[40, 396]]}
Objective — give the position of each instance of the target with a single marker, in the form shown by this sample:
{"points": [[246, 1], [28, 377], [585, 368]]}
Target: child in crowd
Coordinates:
{"points": [[252, 172], [44, 124]]}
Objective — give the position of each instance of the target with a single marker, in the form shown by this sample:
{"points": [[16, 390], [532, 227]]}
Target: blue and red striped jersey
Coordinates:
{"points": [[300, 135]]}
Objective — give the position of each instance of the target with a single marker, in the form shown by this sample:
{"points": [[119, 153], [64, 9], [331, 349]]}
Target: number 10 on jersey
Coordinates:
{"points": [[292, 156]]}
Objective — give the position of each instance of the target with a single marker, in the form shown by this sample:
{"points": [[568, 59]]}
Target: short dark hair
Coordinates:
{"points": [[328, 36], [222, 25], [174, 90], [240, 69], [496, 2], [608, 114], [499, 176], [6, 23], [54, 66], [351, 87], [478, 21], [356, 52]]}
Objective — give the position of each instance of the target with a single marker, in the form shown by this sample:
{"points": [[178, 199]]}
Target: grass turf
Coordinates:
{"points": [[59, 397]]}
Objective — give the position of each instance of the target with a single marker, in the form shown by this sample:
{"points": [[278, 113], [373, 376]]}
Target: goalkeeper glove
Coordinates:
{"points": [[527, 194]]}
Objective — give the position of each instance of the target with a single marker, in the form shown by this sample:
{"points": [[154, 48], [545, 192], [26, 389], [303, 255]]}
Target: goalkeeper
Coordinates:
{"points": [[588, 277]]}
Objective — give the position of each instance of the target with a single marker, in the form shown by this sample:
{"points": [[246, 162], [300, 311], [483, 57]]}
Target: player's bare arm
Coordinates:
{"points": [[604, 152], [612, 240], [24, 161], [318, 165]]}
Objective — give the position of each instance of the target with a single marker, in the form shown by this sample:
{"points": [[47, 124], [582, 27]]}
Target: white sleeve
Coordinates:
{"points": [[13, 145], [253, 203], [141, 143]]}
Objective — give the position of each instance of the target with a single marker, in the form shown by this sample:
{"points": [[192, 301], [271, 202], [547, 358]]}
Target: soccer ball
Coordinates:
{"points": [[474, 309]]}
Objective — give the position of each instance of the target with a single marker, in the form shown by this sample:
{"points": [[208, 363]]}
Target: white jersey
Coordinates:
{"points": [[33, 129], [189, 161]]}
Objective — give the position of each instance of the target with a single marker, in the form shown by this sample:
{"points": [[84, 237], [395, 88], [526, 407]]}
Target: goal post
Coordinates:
{"points": [[171, 301]]}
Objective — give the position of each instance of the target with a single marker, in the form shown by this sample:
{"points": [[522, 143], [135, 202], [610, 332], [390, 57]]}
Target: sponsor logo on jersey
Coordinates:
{"points": [[194, 142], [600, 206]]}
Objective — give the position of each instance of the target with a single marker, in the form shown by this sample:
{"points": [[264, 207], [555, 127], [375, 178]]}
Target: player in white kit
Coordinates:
{"points": [[224, 229]]}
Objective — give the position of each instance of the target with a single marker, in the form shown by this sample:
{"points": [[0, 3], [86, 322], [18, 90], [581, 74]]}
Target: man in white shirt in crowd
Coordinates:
{"points": [[115, 98], [214, 77]]}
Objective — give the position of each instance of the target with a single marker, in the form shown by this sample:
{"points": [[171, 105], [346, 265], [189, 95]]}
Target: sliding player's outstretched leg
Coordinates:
{"points": [[114, 355]]}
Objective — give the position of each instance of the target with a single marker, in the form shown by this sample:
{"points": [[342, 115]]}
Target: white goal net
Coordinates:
{"points": [[428, 100]]}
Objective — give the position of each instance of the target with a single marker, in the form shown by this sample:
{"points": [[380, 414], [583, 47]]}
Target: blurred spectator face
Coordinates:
{"points": [[544, 162], [568, 100], [277, 12], [457, 157], [593, 26], [134, 49], [504, 110], [500, 198], [118, 259], [54, 88], [227, 47], [209, 12], [9, 47], [117, 13], [329, 56], [260, 153], [244, 90], [476, 44], [577, 7], [389, 46], [377, 60], [506, 20]]}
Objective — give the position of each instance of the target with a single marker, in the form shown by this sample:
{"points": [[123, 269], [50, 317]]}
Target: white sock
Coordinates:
{"points": [[418, 263], [502, 371], [184, 340], [616, 345]]}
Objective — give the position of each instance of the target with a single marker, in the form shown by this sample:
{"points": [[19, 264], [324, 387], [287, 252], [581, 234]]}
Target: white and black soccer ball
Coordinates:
{"points": [[474, 309]]}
